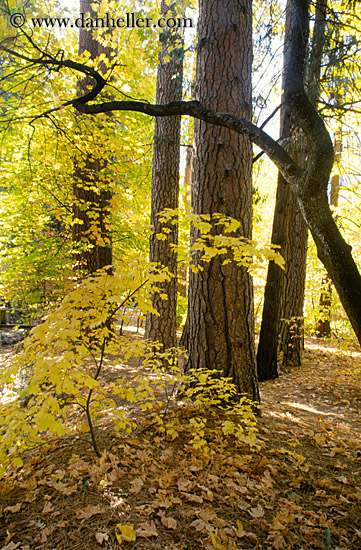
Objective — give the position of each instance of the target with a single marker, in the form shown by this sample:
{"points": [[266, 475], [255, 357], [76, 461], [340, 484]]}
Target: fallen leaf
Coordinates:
{"points": [[216, 541], [48, 507], [136, 485], [89, 511], [192, 498], [13, 509], [199, 525], [126, 532], [170, 523], [207, 515], [240, 530], [101, 537], [166, 479], [320, 439], [257, 512], [278, 541], [146, 530], [343, 479], [163, 502], [185, 485], [11, 546]]}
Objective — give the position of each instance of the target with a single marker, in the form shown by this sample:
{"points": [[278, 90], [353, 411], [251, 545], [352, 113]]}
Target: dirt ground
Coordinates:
{"points": [[299, 487]]}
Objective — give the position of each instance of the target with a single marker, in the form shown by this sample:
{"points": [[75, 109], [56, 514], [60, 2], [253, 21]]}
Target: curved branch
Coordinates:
{"points": [[46, 60], [277, 154]]}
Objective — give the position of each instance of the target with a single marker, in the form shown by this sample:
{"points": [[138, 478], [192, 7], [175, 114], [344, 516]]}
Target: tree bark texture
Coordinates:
{"points": [[165, 186], [292, 320], [221, 318], [91, 190]]}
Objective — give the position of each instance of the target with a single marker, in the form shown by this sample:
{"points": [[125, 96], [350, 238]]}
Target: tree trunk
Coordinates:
{"points": [[91, 190], [165, 186], [284, 210], [323, 329], [292, 320], [221, 317]]}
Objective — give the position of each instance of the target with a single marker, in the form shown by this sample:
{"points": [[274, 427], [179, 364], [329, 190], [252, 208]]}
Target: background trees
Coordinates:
{"points": [[311, 195], [282, 321]]}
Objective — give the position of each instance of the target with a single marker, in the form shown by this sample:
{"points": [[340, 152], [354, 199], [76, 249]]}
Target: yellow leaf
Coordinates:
{"points": [[320, 439], [240, 530], [126, 533], [216, 541]]}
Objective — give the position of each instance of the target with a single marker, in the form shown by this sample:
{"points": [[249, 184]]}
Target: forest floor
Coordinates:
{"points": [[298, 488]]}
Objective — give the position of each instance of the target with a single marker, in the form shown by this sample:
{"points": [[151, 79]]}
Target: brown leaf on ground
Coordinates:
{"points": [[101, 537], [170, 523], [13, 509], [257, 512], [89, 511], [146, 530]]}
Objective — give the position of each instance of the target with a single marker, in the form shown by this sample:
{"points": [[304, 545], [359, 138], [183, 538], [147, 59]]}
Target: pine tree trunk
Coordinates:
{"points": [[221, 317], [165, 187]]}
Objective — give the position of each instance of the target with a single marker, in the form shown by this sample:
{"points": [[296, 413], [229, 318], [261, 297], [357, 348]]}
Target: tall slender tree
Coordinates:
{"points": [[221, 318], [284, 292], [165, 183], [292, 332]]}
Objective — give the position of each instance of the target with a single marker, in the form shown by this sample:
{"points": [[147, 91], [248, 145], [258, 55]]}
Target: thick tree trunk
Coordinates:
{"points": [[165, 187], [91, 190], [221, 318]]}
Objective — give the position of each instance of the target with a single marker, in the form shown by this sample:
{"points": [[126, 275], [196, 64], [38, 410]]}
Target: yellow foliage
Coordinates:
{"points": [[63, 357], [125, 533]]}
